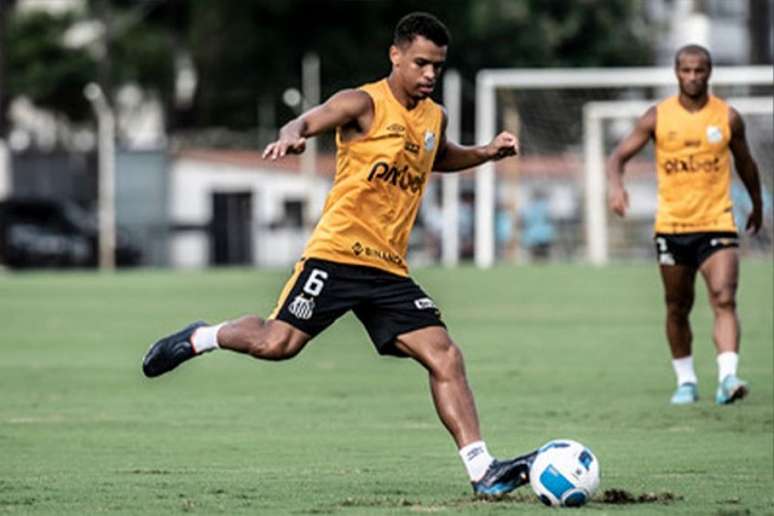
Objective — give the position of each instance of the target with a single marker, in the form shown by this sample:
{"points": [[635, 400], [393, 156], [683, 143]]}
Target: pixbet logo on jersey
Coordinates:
{"points": [[694, 163], [400, 177]]}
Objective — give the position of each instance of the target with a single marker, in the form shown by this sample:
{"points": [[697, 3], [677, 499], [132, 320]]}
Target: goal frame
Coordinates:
{"points": [[488, 81]]}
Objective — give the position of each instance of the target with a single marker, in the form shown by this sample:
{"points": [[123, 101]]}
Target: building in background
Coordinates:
{"points": [[234, 208], [736, 31]]}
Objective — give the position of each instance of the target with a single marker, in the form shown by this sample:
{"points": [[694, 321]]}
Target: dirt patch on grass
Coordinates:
{"points": [[624, 497]]}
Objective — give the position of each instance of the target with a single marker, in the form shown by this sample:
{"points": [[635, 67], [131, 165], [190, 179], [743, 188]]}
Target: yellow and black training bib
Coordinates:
{"points": [[379, 183], [694, 168]]}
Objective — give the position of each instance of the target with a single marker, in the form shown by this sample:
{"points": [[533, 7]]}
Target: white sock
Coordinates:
{"points": [[727, 363], [205, 338], [684, 370], [476, 458]]}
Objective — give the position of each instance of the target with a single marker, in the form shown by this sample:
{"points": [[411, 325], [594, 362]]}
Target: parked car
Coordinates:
{"points": [[54, 233]]}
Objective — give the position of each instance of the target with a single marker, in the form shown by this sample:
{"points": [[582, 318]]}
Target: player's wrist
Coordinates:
{"points": [[292, 131], [488, 152]]}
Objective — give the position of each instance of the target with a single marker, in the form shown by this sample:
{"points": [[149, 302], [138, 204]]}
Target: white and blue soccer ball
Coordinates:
{"points": [[565, 474]]}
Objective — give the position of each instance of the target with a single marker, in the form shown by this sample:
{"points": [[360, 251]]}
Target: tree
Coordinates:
{"points": [[5, 6], [137, 45], [50, 74], [252, 49]]}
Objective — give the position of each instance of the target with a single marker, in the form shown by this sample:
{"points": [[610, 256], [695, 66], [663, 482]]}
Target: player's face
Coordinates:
{"points": [[693, 72], [418, 66]]}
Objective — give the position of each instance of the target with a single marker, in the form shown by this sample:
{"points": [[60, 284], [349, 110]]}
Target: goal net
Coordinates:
{"points": [[544, 205]]}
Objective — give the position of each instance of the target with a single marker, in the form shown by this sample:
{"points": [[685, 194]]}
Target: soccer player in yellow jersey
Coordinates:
{"points": [[694, 230], [390, 136]]}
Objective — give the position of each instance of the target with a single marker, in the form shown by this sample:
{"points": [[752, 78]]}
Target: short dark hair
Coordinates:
{"points": [[421, 24], [693, 49]]}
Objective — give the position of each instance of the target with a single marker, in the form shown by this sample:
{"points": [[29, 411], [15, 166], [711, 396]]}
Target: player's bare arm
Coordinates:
{"points": [[618, 197], [453, 156], [352, 110], [747, 170]]}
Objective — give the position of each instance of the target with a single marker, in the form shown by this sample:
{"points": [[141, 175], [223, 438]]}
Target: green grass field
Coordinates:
{"points": [[555, 351]]}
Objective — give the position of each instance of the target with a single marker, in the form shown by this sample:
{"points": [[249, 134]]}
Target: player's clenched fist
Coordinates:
{"points": [[504, 145]]}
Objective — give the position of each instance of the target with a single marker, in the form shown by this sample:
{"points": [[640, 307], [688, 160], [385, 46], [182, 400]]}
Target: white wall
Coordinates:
{"points": [[191, 187]]}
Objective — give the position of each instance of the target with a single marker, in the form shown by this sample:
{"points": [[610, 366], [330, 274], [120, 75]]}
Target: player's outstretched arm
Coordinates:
{"points": [[618, 197], [452, 156], [347, 107], [747, 170]]}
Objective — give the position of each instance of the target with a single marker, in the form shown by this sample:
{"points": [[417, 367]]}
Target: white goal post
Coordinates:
{"points": [[489, 81], [594, 116], [5, 170]]}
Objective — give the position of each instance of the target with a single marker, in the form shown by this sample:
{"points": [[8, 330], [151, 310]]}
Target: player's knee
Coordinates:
{"points": [[679, 308], [447, 359], [724, 298]]}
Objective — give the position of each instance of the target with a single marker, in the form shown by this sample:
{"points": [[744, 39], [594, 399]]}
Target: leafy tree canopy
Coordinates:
{"points": [[250, 49]]}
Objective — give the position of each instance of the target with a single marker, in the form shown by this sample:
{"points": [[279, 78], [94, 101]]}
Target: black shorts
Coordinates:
{"points": [[691, 249], [388, 305]]}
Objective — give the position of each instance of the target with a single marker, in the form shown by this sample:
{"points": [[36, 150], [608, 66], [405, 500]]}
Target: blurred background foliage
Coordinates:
{"points": [[249, 51]]}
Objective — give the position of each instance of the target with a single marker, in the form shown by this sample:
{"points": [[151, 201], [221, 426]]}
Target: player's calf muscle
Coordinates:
{"points": [[275, 344], [260, 338]]}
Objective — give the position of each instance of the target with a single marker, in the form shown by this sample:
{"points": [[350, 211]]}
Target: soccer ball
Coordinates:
{"points": [[565, 474]]}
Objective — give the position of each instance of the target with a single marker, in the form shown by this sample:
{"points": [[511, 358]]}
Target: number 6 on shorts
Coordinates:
{"points": [[316, 282]]}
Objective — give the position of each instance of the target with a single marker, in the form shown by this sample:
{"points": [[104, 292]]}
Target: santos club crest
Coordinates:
{"points": [[714, 134], [429, 141], [302, 307]]}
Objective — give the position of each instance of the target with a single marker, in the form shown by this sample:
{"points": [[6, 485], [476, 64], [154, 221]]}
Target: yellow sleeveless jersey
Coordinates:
{"points": [[379, 182], [694, 168]]}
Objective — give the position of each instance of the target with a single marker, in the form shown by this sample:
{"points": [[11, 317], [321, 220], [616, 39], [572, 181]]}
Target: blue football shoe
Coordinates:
{"points": [[171, 351], [730, 390], [504, 476], [685, 394]]}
